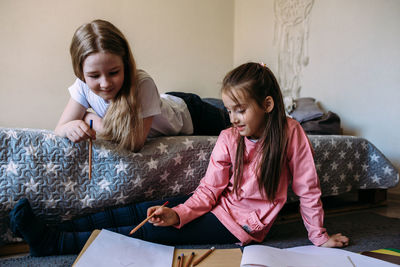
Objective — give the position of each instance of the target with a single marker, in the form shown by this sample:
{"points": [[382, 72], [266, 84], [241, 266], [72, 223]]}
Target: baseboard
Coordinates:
{"points": [[14, 249], [372, 196], [393, 196], [333, 205]]}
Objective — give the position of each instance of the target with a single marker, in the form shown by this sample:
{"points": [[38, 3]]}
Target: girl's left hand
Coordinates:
{"points": [[336, 240]]}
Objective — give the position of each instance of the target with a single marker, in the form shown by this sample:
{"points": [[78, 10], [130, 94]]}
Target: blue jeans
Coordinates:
{"points": [[206, 229]]}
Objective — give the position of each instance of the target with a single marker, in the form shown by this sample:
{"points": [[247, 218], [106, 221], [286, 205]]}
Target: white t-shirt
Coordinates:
{"points": [[170, 114]]}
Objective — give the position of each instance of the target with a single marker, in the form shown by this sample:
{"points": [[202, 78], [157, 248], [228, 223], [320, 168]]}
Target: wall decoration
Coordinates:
{"points": [[291, 36]]}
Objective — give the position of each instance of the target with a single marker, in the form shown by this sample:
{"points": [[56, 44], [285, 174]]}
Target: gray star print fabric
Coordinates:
{"points": [[52, 172]]}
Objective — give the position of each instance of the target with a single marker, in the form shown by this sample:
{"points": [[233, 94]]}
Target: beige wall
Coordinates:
{"points": [[186, 45], [354, 67]]}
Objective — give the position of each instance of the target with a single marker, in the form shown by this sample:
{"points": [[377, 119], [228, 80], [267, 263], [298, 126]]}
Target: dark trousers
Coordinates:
{"points": [[206, 229], [208, 119]]}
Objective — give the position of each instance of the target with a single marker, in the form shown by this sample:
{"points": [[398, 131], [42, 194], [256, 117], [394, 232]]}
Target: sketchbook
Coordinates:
{"points": [[105, 248], [265, 256], [112, 249]]}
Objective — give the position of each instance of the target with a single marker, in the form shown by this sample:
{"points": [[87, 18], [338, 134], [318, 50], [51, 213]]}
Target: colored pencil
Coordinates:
{"points": [[90, 152], [189, 260], [180, 264], [208, 252], [145, 220]]}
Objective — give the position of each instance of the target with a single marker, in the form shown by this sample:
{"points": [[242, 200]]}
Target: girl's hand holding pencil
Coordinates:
{"points": [[151, 212], [162, 216], [76, 131]]}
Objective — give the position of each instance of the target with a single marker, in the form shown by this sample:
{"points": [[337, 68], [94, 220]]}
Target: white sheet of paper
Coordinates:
{"points": [[259, 255], [113, 249], [358, 259]]}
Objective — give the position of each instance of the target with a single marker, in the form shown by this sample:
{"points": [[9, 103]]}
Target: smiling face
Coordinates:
{"points": [[245, 114], [104, 74]]}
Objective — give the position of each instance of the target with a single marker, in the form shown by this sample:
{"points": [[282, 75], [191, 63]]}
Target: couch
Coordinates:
{"points": [[52, 172]]}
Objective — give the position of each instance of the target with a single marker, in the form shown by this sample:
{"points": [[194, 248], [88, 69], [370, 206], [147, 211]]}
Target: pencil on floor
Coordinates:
{"points": [[180, 264], [352, 263], [202, 257], [145, 220], [189, 260], [90, 152]]}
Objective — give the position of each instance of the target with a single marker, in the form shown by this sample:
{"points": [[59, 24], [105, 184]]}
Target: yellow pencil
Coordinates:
{"points": [[145, 220]]}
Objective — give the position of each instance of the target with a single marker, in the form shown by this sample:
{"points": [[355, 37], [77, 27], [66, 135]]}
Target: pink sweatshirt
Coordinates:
{"points": [[249, 216]]}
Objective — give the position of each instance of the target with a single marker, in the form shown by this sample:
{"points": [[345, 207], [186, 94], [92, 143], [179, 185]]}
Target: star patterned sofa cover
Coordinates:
{"points": [[52, 172]]}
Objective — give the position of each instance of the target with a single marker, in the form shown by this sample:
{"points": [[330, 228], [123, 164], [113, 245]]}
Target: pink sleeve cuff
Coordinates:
{"points": [[179, 210], [318, 241]]}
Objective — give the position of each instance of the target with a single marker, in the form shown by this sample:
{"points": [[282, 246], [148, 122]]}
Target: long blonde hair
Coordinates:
{"points": [[121, 122]]}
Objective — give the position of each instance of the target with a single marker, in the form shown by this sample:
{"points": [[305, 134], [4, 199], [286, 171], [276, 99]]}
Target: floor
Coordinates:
{"points": [[392, 209], [332, 206]]}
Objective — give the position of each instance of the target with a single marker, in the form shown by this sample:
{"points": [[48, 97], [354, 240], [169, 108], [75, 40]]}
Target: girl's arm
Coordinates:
{"points": [[306, 186], [215, 181], [71, 124], [147, 122], [305, 183]]}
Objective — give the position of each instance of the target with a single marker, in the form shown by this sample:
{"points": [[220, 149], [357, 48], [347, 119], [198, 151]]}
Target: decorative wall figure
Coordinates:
{"points": [[291, 34]]}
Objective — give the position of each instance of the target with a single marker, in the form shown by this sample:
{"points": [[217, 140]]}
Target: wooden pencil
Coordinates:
{"points": [[90, 152], [202, 257], [179, 261], [145, 220], [189, 260], [182, 259]]}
